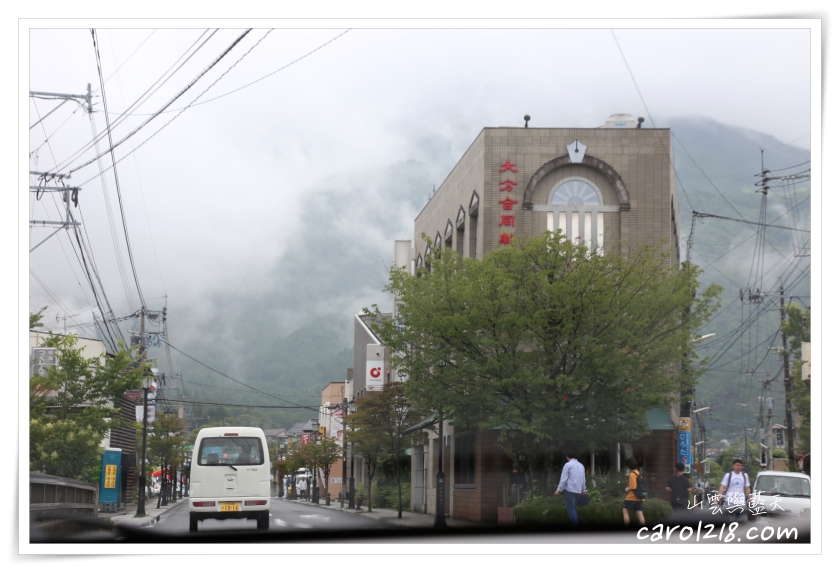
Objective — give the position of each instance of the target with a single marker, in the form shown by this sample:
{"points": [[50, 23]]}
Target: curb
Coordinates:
{"points": [[148, 520]]}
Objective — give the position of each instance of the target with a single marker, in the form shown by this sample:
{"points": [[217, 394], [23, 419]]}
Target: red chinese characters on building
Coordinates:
{"points": [[508, 166], [508, 203], [507, 185]]}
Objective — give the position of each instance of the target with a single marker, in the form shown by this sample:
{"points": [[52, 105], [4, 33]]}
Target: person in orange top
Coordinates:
{"points": [[631, 502]]}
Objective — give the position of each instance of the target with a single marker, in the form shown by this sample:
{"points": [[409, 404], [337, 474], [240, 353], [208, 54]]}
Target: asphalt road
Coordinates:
{"points": [[284, 515]]}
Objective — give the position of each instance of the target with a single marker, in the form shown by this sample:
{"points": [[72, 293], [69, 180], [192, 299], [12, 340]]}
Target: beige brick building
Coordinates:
{"points": [[613, 187]]}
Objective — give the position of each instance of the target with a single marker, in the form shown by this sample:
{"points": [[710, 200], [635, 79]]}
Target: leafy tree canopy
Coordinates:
{"points": [[797, 327], [71, 408], [547, 338]]}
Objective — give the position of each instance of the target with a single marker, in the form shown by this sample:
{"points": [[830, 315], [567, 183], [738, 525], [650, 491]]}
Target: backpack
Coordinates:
{"points": [[641, 489], [722, 501]]}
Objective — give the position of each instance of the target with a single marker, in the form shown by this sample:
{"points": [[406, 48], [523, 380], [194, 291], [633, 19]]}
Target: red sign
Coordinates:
{"points": [[304, 438], [508, 166], [507, 185], [508, 203]]}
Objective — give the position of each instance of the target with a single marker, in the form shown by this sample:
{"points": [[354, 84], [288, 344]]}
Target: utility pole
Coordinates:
{"points": [[351, 503], [746, 451], [788, 386], [440, 486], [344, 447], [141, 497], [70, 193]]}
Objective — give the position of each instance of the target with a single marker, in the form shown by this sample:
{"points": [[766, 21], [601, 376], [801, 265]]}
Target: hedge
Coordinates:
{"points": [[552, 510]]}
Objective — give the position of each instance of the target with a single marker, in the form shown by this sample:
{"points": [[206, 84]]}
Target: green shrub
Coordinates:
{"points": [[552, 510], [608, 486], [384, 495]]}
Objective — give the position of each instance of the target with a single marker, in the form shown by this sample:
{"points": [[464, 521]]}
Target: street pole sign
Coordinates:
{"points": [[109, 479], [684, 453]]}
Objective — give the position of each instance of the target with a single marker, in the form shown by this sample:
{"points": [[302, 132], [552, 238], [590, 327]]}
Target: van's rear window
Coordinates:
{"points": [[230, 451]]}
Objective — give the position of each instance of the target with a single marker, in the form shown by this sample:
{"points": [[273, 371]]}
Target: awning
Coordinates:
{"points": [[659, 420], [429, 420]]}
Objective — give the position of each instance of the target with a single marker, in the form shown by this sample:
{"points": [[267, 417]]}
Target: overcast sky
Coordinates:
{"points": [[219, 202], [216, 198]]}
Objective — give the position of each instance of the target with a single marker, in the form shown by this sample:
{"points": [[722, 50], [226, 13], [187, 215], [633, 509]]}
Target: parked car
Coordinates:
{"points": [[784, 493]]}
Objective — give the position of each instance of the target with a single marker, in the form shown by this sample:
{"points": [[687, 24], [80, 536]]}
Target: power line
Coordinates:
{"points": [[171, 401], [171, 101], [116, 176], [232, 379], [139, 184], [788, 143], [129, 56], [82, 247], [156, 85], [257, 80], [58, 302]]}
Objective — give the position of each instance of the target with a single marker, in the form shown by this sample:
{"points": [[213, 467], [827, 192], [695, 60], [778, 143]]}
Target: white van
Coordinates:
{"points": [[784, 493], [230, 476]]}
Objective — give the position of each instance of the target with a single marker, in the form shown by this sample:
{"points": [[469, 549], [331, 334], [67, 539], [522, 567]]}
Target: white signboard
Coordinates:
{"points": [[337, 426], [43, 358], [375, 368]]}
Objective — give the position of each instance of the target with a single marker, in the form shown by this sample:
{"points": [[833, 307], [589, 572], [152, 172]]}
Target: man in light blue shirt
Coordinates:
{"points": [[572, 484]]}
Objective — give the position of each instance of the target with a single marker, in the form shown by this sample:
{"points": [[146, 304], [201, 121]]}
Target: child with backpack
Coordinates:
{"points": [[636, 494]]}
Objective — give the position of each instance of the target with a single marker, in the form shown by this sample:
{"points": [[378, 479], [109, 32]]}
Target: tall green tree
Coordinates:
{"points": [[561, 344], [167, 441], [381, 419], [797, 327], [71, 408], [325, 452], [369, 443]]}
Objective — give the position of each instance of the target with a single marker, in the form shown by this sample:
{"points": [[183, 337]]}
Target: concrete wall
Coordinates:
{"points": [[640, 157], [90, 347], [480, 502]]}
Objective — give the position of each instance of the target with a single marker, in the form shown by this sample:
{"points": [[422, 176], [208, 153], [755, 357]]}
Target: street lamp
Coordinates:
{"points": [[314, 481], [440, 479], [351, 503], [141, 498]]}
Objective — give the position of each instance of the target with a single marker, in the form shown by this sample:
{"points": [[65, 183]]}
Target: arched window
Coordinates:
{"points": [[575, 192], [576, 208]]}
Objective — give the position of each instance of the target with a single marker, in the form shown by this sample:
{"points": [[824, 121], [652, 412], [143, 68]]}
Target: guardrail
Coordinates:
{"points": [[57, 497]]}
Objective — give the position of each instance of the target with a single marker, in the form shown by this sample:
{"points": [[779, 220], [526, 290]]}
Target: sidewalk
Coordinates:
{"points": [[125, 515], [389, 516]]}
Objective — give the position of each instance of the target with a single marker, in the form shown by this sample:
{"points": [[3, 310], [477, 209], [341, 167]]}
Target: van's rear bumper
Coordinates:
{"points": [[214, 511]]}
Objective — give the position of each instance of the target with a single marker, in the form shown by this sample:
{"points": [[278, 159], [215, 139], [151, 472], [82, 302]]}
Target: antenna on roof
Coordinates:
{"points": [[527, 119]]}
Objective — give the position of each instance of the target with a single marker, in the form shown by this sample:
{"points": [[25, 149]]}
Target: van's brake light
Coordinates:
{"points": [[204, 504], [256, 502], [231, 434]]}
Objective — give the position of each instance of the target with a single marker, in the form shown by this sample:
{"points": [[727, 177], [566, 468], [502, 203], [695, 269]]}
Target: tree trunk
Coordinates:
{"points": [[399, 487]]}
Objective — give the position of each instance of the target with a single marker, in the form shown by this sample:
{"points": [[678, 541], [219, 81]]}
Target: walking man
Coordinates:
{"points": [[680, 488], [573, 485], [736, 484]]}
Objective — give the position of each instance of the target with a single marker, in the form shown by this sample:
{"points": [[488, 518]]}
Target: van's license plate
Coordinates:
{"points": [[230, 506]]}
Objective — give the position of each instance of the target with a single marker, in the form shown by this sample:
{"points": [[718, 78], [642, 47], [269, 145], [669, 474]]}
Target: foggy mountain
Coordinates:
{"points": [[288, 331]]}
